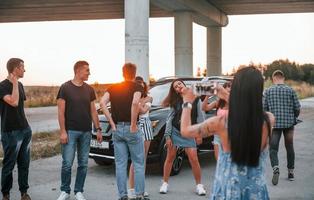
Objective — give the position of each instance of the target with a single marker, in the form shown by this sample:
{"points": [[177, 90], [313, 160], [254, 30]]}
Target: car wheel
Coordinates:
{"points": [[103, 162], [177, 163]]}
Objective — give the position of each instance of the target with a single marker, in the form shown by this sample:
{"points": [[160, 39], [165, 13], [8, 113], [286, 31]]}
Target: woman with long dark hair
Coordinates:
{"points": [[244, 135], [174, 139], [221, 107]]}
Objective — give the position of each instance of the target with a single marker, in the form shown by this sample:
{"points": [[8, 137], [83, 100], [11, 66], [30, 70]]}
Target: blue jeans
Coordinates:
{"points": [[16, 148], [126, 143], [81, 141]]}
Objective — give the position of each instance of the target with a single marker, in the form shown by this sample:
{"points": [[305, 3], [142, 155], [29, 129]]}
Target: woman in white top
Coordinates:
{"points": [[145, 126]]}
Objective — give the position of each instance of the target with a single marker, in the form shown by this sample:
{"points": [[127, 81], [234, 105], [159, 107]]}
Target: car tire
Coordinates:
{"points": [[178, 161], [102, 162]]}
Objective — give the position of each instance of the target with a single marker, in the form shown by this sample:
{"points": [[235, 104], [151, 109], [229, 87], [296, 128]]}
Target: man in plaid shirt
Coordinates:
{"points": [[282, 101]]}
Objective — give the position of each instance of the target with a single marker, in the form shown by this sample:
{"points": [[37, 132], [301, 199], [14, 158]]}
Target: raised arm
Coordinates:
{"points": [[13, 98], [208, 107]]}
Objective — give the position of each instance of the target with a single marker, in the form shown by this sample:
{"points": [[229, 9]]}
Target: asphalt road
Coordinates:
{"points": [[100, 183]]}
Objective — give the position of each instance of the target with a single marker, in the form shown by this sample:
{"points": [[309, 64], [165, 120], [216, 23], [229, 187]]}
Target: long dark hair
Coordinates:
{"points": [[140, 80], [246, 116], [173, 97]]}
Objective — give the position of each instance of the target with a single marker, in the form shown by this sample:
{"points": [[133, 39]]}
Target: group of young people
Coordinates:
{"points": [[242, 130]]}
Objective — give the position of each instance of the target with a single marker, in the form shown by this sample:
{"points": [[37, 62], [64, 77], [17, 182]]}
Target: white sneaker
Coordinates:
{"points": [[79, 196], [131, 193], [200, 190], [64, 196], [146, 194], [163, 188]]}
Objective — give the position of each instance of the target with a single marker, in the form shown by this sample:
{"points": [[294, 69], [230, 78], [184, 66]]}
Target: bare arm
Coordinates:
{"points": [[143, 107], [208, 107], [61, 119], [94, 115], [135, 111], [13, 98], [103, 103], [222, 93]]}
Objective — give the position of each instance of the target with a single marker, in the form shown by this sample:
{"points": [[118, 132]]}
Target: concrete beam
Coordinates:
{"points": [[55, 10], [204, 13]]}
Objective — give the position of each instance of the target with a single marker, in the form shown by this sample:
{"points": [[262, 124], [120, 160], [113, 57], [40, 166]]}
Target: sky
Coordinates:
{"points": [[50, 49]]}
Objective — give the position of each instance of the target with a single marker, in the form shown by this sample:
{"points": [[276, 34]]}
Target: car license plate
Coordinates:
{"points": [[96, 144]]}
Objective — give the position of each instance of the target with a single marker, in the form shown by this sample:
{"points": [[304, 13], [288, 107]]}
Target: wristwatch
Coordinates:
{"points": [[187, 105], [98, 129]]}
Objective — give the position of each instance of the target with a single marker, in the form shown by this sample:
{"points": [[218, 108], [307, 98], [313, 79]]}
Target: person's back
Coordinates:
{"points": [[234, 181], [281, 102], [121, 97]]}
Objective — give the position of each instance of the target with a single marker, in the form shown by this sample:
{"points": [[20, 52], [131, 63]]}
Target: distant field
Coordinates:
{"points": [[39, 96]]}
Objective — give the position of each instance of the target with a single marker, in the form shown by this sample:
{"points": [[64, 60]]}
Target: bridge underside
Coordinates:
{"points": [[215, 10]]}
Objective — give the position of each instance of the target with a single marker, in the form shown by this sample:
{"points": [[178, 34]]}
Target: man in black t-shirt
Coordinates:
{"points": [[76, 111], [124, 100], [16, 134]]}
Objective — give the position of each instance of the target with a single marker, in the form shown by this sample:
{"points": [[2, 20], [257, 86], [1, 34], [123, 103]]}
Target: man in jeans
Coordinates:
{"points": [[76, 111], [16, 134], [282, 101], [127, 139]]}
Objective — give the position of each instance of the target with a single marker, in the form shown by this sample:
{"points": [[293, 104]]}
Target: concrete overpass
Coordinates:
{"points": [[212, 14]]}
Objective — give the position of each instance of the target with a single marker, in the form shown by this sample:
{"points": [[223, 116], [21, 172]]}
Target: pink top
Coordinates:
{"points": [[222, 112]]}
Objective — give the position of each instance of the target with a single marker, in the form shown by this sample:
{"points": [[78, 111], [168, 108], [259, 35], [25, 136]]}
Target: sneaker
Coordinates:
{"points": [[142, 198], [163, 188], [124, 198], [290, 175], [131, 193], [25, 196], [64, 196], [6, 197], [146, 194], [275, 176], [79, 196], [200, 190]]}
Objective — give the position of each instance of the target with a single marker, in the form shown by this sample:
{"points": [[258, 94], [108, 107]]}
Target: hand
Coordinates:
{"points": [[133, 129], [168, 143], [99, 136], [12, 78], [113, 127], [63, 137], [187, 95], [199, 140]]}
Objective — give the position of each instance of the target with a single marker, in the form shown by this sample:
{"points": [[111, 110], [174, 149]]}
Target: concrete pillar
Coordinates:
{"points": [[183, 33], [213, 51], [136, 13]]}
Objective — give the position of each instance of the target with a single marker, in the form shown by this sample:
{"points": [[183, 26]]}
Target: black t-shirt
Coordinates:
{"points": [[77, 105], [121, 97], [12, 118]]}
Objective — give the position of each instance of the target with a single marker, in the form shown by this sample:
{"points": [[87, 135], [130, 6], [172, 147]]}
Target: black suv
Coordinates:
{"points": [[103, 153]]}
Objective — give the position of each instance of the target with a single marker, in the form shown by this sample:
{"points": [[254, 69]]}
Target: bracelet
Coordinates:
{"points": [[187, 105]]}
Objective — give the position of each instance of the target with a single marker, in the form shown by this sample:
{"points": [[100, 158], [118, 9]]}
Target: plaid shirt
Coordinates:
{"points": [[282, 101]]}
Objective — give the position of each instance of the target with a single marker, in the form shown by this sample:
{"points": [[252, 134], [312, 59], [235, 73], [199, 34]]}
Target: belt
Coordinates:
{"points": [[124, 123]]}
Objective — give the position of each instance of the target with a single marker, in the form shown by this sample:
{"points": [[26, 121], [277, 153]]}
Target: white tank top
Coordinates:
{"points": [[149, 104]]}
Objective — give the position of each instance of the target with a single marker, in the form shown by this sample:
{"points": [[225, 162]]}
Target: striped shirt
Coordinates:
{"points": [[282, 101]]}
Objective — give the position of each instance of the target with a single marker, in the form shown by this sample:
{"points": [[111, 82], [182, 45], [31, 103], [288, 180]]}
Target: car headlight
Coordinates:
{"points": [[155, 123]]}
